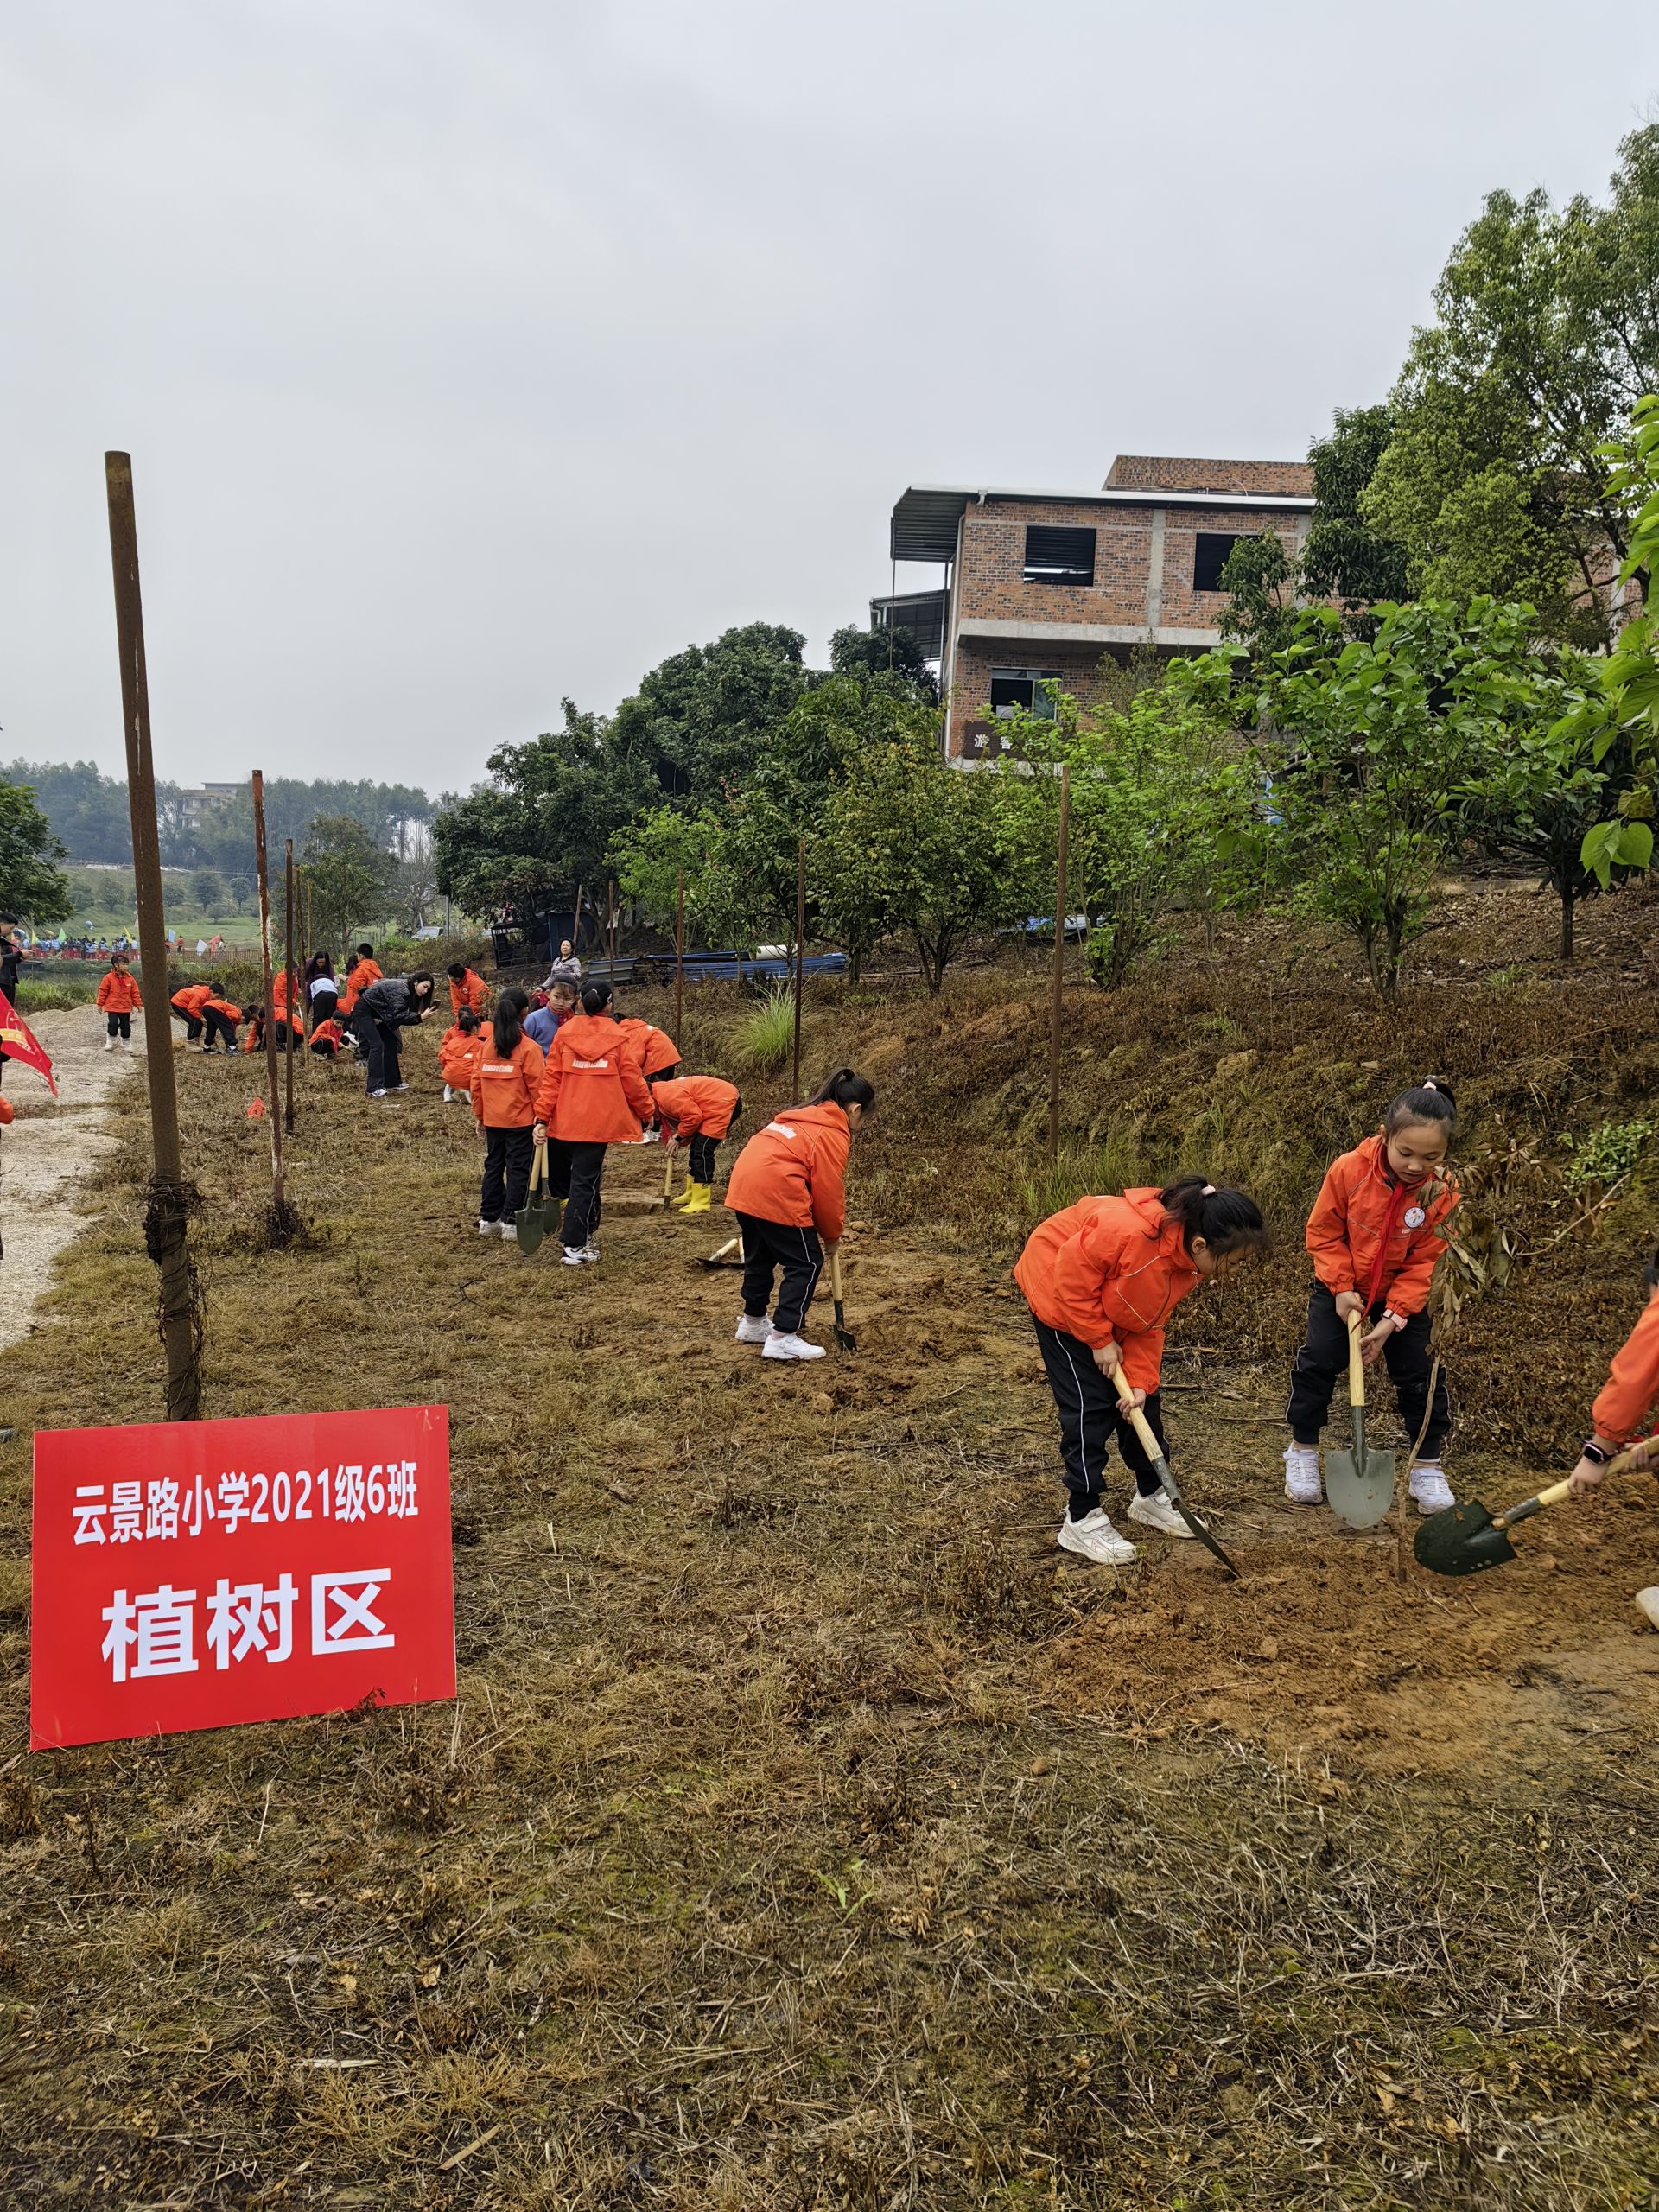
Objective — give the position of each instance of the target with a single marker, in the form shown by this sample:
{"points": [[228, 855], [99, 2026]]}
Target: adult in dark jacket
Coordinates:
{"points": [[11, 959], [395, 1003]]}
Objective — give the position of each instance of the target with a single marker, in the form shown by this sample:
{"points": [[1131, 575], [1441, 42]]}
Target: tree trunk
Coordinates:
{"points": [[1567, 921]]}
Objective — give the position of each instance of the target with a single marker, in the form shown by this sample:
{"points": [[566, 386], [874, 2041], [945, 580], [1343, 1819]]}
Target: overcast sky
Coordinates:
{"points": [[474, 355]]}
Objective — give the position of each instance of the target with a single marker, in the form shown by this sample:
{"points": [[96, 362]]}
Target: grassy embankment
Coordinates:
{"points": [[805, 1834]]}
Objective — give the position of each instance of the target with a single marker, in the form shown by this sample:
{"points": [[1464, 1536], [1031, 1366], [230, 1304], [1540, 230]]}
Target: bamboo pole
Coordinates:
{"points": [[166, 1218], [679, 961], [1059, 973], [277, 1198], [296, 1008], [800, 950]]}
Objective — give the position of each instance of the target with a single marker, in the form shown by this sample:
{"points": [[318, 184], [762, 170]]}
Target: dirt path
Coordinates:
{"points": [[45, 1151]]}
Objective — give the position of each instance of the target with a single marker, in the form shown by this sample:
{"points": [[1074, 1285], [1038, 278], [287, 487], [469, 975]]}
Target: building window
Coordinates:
{"points": [[1210, 551], [1059, 556], [1015, 688]]}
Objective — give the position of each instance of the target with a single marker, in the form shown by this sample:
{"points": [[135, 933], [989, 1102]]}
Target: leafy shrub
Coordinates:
{"points": [[62, 992], [766, 1037], [1607, 1153]]}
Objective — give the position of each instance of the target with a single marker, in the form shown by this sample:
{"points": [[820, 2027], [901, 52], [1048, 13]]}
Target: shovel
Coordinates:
{"points": [[720, 1260], [1359, 1484], [1466, 1539], [668, 1181], [844, 1336], [1143, 1428], [530, 1220]]}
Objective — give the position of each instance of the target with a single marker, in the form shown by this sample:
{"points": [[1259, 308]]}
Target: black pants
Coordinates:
{"points": [[769, 1246], [1324, 1358], [586, 1165], [321, 1049], [558, 1167], [219, 1025], [665, 1075], [701, 1165], [507, 1155], [120, 1025], [192, 1023], [381, 1048], [1086, 1401], [323, 1004], [279, 1031]]}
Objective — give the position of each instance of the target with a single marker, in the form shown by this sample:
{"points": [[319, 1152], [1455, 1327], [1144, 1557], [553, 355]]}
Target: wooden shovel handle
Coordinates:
{"points": [[538, 1168], [1141, 1426], [1557, 1494], [1356, 1362], [835, 1275]]}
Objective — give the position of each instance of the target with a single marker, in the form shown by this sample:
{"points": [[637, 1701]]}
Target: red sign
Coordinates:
{"points": [[192, 1574]]}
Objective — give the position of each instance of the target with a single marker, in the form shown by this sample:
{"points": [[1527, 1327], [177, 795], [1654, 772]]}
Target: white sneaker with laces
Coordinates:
{"points": [[1647, 1603], [1157, 1512], [753, 1329], [1431, 1490], [1094, 1538], [509, 1229], [1302, 1483], [486, 1228], [782, 1343], [377, 1094], [574, 1255]]}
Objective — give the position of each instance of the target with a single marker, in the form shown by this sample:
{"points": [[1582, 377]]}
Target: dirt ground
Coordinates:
{"points": [[808, 1831], [45, 1152]]}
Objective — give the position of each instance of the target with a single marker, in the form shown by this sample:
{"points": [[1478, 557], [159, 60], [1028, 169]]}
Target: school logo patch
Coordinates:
{"points": [[1416, 1217]]}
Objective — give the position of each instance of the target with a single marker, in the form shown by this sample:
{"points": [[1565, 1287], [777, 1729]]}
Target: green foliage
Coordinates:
{"points": [[765, 1038], [1497, 480], [1607, 1153], [1345, 557], [349, 876], [87, 810], [32, 886], [1262, 581], [884, 657], [698, 721]]}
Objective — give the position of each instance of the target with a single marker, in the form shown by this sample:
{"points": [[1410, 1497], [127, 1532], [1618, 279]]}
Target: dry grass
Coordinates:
{"points": [[800, 1837]]}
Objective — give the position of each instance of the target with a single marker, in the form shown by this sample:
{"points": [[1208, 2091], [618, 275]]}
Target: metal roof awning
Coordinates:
{"points": [[925, 518]]}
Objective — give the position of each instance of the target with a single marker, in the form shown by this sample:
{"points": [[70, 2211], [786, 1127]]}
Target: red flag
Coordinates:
{"points": [[19, 1042]]}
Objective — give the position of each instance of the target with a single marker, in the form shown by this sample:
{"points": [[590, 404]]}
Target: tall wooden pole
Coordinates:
{"points": [[679, 961], [295, 1005], [610, 903], [278, 1203], [310, 947], [800, 950], [1059, 974], [165, 1222]]}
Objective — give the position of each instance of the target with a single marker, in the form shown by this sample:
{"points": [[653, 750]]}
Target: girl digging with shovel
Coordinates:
{"points": [[1101, 1278], [1374, 1236], [1628, 1400]]}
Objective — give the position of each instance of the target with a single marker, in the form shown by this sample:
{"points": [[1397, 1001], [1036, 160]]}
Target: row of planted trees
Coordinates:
{"points": [[1338, 777]]}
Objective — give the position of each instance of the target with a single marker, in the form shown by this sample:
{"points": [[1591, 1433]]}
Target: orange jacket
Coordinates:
{"points": [[192, 998], [472, 991], [223, 1006], [504, 1090], [697, 1102], [7, 1110], [253, 1038], [1630, 1393], [328, 1033], [794, 1171], [1361, 1234], [653, 1048], [457, 1051], [1109, 1271], [358, 978], [592, 1090], [279, 994], [117, 991]]}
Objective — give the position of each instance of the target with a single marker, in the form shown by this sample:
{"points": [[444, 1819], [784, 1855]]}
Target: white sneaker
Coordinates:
{"points": [[377, 1094], [109, 1043], [1157, 1512], [574, 1255], [650, 1137], [1302, 1484], [753, 1329], [488, 1228], [1647, 1603], [447, 1094], [1093, 1537], [509, 1229], [782, 1345], [1431, 1490]]}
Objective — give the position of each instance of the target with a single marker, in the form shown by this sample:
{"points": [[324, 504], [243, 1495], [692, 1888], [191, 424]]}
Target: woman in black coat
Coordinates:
{"points": [[395, 1003]]}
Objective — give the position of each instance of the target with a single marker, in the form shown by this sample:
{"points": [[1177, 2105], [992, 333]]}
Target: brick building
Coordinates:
{"points": [[1043, 585]]}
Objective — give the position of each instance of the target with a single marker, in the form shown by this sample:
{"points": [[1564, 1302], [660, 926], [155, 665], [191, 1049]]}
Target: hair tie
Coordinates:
{"points": [[1208, 1191], [1429, 1084]]}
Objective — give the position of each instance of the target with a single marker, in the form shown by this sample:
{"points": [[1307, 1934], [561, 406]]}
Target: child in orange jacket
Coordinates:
{"points": [[119, 996], [187, 1004], [506, 1076], [593, 1095], [1627, 1404], [458, 1050], [1101, 1278], [1375, 1235], [219, 1017], [253, 1037], [362, 969], [788, 1190], [327, 1039], [467, 989], [702, 1109]]}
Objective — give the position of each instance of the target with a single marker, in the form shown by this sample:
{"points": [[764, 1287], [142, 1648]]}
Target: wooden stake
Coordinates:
{"points": [[679, 961], [166, 1222], [1059, 974], [800, 950], [610, 904], [278, 1200], [296, 1009]]}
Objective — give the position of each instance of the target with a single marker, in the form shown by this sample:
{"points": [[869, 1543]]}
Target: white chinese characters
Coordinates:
{"points": [[154, 1633], [161, 1511]]}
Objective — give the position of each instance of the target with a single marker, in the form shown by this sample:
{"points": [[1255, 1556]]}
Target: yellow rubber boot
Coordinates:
{"points": [[686, 1197], [698, 1198]]}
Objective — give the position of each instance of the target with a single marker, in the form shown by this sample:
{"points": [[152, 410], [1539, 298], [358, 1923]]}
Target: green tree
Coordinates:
{"points": [[1263, 583], [348, 875], [88, 811], [1346, 557], [32, 886], [207, 889], [1626, 712], [698, 720], [1497, 480], [885, 657]]}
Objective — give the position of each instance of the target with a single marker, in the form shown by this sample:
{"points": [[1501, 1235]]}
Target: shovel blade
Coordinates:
{"points": [[844, 1336], [1360, 1492], [1461, 1541], [530, 1224]]}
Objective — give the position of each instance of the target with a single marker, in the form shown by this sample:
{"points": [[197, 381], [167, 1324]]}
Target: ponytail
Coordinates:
{"points": [[845, 1089], [510, 1010], [596, 997], [1427, 1100], [1227, 1220]]}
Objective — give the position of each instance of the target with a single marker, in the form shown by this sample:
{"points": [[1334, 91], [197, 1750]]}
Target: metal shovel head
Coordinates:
{"points": [[530, 1224], [723, 1258], [1360, 1492], [1462, 1541]]}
